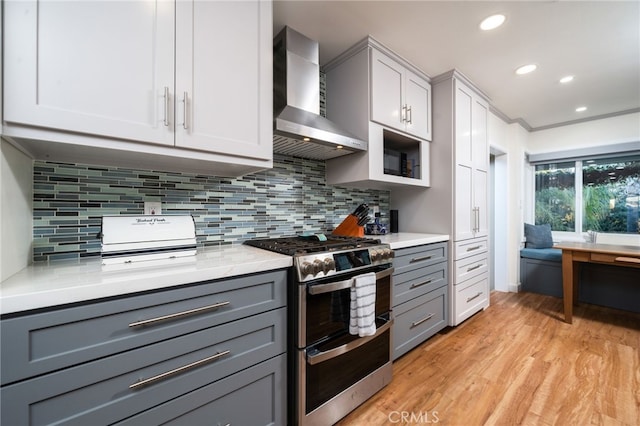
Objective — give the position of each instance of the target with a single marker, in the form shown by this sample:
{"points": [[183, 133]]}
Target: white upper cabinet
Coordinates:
{"points": [[221, 48], [379, 97], [116, 78], [400, 98], [90, 67]]}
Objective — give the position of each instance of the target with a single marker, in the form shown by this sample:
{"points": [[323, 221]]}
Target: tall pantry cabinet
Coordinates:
{"points": [[456, 203]]}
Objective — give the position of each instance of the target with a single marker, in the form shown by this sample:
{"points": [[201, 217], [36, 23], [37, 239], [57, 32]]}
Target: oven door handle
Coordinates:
{"points": [[341, 285], [340, 350]]}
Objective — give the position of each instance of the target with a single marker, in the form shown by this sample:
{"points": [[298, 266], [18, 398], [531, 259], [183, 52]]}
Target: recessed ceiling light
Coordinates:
{"points": [[492, 22], [526, 69], [566, 79], [581, 109]]}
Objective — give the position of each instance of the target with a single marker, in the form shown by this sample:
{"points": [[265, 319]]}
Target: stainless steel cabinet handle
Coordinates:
{"points": [[178, 314], [473, 248], [327, 355], [420, 259], [473, 268], [420, 321], [165, 121], [341, 285], [469, 299], [403, 116], [177, 370], [185, 114], [410, 114], [421, 284]]}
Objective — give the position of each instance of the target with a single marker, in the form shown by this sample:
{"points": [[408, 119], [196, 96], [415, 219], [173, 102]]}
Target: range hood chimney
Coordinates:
{"points": [[298, 127]]}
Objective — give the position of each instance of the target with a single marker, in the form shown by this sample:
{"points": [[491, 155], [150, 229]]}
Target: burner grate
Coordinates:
{"points": [[303, 245]]}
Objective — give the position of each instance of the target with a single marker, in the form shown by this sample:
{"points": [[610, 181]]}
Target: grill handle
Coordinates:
{"points": [[340, 350], [341, 285]]}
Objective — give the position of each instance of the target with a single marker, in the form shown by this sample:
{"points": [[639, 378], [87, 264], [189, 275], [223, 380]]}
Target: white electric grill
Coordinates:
{"points": [[128, 239]]}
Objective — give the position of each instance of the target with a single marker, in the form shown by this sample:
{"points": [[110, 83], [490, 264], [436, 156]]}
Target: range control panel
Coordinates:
{"points": [[319, 265]]}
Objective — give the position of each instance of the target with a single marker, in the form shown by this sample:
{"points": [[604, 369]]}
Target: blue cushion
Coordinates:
{"points": [[538, 236], [552, 254]]}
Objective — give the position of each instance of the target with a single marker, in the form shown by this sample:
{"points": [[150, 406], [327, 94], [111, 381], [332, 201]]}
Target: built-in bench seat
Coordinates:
{"points": [[541, 271]]}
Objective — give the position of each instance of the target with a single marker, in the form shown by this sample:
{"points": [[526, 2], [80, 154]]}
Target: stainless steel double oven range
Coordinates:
{"points": [[331, 372]]}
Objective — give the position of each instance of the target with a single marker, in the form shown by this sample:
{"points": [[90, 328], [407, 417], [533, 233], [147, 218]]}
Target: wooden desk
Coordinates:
{"points": [[574, 253]]}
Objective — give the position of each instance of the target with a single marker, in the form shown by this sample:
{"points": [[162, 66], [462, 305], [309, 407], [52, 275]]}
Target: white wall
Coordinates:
{"points": [[16, 201], [510, 139], [607, 131]]}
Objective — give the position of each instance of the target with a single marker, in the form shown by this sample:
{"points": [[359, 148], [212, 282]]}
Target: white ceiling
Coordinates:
{"points": [[597, 41]]}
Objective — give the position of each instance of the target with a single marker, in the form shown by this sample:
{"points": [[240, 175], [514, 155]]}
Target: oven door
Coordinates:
{"points": [[324, 306]]}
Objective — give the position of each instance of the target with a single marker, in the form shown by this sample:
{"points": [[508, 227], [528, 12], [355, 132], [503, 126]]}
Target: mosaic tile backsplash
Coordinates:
{"points": [[293, 197]]}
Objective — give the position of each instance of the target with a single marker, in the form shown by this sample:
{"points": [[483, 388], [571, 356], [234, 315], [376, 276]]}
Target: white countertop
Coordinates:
{"points": [[409, 239], [56, 283]]}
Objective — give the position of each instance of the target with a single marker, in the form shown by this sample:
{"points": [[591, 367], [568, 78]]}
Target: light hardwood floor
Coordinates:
{"points": [[518, 363]]}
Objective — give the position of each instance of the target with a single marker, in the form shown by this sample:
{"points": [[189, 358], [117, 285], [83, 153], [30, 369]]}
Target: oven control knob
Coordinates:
{"points": [[329, 265], [376, 255], [317, 266], [307, 269], [387, 254]]}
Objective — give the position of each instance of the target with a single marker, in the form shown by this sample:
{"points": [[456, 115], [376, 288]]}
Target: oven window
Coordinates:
{"points": [[328, 313], [328, 378]]}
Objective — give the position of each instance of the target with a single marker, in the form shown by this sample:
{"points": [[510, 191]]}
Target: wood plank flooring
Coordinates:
{"points": [[518, 363]]}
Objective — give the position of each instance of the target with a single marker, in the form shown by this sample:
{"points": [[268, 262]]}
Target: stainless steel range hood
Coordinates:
{"points": [[298, 127]]}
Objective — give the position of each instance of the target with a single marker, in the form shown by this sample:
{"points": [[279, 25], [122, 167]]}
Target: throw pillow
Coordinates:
{"points": [[538, 236]]}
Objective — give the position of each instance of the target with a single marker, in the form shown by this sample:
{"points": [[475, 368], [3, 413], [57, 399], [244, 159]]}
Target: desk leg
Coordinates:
{"points": [[568, 269]]}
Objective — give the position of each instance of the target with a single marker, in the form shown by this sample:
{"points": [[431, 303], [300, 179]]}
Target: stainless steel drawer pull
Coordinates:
{"points": [[469, 299], [473, 268], [179, 314], [178, 370], [474, 248], [427, 318], [335, 352], [421, 284], [420, 259]]}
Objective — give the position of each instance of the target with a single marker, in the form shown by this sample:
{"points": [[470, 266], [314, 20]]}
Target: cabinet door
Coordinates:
{"points": [[463, 126], [386, 91], [480, 154], [98, 67], [464, 203], [224, 77], [418, 99]]}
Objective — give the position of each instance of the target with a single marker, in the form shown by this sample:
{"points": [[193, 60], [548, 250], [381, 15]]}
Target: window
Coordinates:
{"points": [[608, 200], [556, 195]]}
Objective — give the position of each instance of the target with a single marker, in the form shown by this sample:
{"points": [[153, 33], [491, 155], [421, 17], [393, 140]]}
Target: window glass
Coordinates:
{"points": [[610, 195], [555, 195]]}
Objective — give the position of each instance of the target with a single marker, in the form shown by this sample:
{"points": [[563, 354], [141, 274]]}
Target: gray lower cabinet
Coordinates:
{"points": [[420, 295], [187, 355]]}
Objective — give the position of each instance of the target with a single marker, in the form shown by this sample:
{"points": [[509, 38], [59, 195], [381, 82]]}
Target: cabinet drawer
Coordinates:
{"points": [[262, 386], [417, 282], [419, 319], [470, 267], [470, 297], [419, 256], [42, 342], [468, 248], [99, 392]]}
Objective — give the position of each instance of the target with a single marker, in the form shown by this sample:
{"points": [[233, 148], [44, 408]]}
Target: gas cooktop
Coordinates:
{"points": [[297, 245]]}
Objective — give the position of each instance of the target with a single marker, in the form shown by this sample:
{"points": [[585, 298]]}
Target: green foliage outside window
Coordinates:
{"points": [[610, 195]]}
